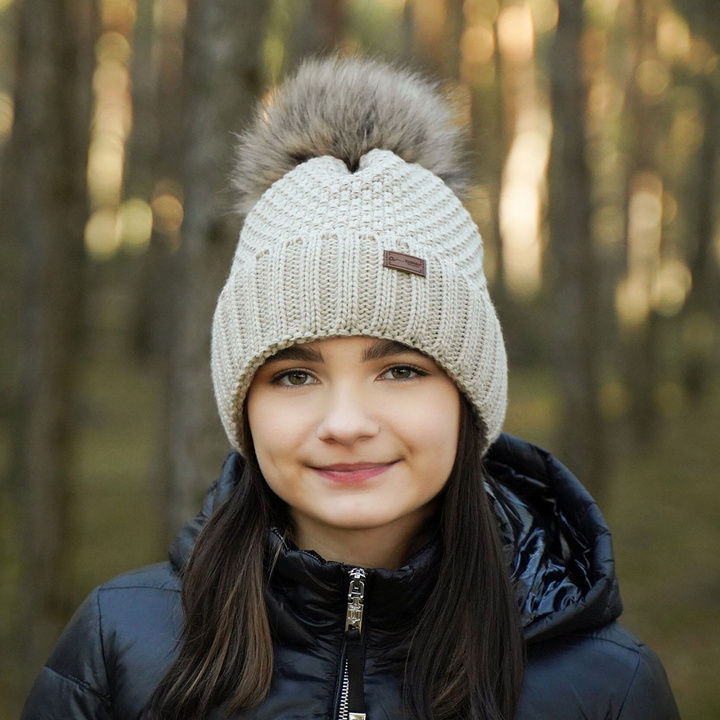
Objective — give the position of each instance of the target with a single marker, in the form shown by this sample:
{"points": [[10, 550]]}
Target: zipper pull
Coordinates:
{"points": [[354, 651], [356, 598]]}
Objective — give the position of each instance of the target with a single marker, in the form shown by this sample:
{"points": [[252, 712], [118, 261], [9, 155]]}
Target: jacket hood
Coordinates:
{"points": [[557, 543], [559, 546]]}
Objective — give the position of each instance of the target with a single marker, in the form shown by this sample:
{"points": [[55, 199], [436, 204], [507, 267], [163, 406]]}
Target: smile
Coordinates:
{"points": [[352, 473]]}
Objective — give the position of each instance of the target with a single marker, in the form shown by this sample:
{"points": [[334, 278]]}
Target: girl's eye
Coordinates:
{"points": [[404, 372], [293, 378]]}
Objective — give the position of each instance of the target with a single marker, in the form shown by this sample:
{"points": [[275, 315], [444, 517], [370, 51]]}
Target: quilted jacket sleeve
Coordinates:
{"points": [[649, 696], [74, 684]]}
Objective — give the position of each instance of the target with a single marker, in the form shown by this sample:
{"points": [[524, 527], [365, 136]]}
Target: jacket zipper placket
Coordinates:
{"points": [[352, 692]]}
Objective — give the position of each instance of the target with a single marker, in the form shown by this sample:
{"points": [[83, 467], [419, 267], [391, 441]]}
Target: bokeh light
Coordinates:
{"points": [[516, 33], [544, 14], [102, 236], [652, 77], [477, 44], [602, 12], [632, 302], [645, 220], [170, 15], [167, 212], [6, 115], [671, 287], [135, 219], [113, 47], [520, 211], [476, 11], [119, 14], [673, 36], [105, 169]]}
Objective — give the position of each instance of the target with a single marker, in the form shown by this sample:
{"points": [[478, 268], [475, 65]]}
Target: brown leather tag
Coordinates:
{"points": [[404, 263]]}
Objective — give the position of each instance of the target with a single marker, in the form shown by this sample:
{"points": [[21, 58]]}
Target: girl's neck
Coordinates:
{"points": [[382, 547]]}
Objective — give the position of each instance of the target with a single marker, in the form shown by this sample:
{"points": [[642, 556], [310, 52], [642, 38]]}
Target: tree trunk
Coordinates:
{"points": [[455, 25], [222, 72], [491, 145], [642, 337], [49, 146], [140, 169], [438, 25], [319, 28], [576, 290], [703, 307], [141, 174], [406, 33]]}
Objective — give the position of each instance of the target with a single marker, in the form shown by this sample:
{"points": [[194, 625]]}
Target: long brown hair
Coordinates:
{"points": [[466, 657]]}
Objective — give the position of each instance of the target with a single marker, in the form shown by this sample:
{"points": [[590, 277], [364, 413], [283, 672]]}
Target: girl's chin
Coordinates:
{"points": [[358, 521]]}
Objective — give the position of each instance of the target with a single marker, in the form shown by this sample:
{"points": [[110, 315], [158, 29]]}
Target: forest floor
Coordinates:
{"points": [[662, 504]]}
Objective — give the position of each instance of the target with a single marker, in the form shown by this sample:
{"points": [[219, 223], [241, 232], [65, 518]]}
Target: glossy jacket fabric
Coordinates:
{"points": [[582, 665]]}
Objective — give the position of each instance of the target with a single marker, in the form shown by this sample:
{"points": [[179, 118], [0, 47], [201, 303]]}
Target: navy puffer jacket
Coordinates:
{"points": [[582, 665]]}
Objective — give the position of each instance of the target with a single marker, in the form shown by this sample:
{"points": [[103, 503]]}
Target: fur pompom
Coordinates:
{"points": [[345, 107]]}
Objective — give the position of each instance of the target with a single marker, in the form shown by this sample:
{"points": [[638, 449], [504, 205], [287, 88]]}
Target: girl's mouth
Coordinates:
{"points": [[353, 473]]}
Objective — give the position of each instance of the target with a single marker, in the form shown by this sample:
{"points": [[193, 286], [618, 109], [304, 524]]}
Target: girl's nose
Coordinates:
{"points": [[346, 418]]}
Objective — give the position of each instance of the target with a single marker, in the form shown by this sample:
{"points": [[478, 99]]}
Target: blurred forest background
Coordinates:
{"points": [[595, 134]]}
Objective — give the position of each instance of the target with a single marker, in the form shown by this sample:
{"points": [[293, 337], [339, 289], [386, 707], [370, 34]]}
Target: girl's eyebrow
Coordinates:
{"points": [[378, 350], [297, 352], [385, 348]]}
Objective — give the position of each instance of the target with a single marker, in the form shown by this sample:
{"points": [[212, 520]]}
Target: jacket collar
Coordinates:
{"points": [[316, 590]]}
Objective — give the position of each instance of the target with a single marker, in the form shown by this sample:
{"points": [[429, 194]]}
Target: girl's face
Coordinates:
{"points": [[354, 433]]}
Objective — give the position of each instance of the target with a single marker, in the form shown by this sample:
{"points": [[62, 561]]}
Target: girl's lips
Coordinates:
{"points": [[353, 475]]}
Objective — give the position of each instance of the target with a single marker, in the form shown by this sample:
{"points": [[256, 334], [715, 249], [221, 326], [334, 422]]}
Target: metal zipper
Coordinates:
{"points": [[343, 707], [353, 651], [356, 598]]}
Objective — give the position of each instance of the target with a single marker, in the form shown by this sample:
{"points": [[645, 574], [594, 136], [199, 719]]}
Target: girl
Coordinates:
{"points": [[374, 547]]}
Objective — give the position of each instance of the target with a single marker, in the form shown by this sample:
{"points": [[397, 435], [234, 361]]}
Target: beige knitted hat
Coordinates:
{"points": [[353, 229]]}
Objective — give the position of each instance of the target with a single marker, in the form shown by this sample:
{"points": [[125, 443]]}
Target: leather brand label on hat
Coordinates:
{"points": [[405, 263]]}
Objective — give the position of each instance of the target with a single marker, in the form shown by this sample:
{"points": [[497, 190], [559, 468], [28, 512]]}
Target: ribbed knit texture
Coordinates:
{"points": [[309, 265]]}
